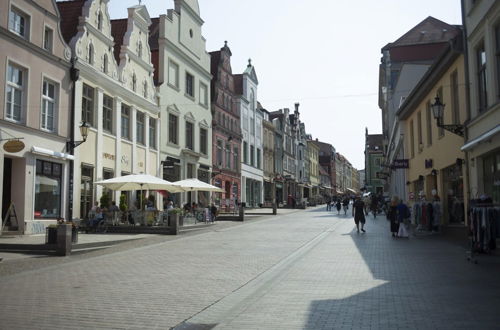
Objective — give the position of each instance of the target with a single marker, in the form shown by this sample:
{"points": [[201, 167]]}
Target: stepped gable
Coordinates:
{"points": [[118, 30], [69, 12]]}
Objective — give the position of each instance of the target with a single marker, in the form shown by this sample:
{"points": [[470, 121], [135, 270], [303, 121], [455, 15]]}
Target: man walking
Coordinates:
{"points": [[358, 212]]}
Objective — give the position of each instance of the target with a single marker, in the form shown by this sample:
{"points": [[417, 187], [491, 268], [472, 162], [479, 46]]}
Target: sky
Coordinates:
{"points": [[323, 54]]}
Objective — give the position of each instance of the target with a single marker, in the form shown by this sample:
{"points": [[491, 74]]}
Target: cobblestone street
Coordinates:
{"points": [[304, 270]]}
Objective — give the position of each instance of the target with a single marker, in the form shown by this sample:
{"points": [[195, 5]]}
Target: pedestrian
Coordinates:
{"points": [[328, 205], [338, 206], [213, 211], [358, 212], [393, 215], [403, 213], [345, 204], [374, 205]]}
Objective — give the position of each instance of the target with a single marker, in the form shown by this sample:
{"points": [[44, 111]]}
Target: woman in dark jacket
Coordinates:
{"points": [[393, 216], [338, 205]]}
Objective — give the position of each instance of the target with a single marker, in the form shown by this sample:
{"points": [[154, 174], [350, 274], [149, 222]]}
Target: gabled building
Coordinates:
{"points": [[314, 176], [374, 159], [226, 131], [278, 120], [268, 133], [251, 127], [114, 94], [183, 79], [327, 156], [36, 107]]}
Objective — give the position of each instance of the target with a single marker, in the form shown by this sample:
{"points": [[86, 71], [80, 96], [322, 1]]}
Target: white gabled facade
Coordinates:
{"points": [[184, 86], [252, 149], [115, 94]]}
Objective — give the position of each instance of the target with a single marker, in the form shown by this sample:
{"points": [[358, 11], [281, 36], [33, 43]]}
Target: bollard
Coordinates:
{"points": [[242, 213], [64, 233], [174, 224]]}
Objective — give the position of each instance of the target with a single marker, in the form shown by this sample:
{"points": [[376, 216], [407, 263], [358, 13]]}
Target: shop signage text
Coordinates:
{"points": [[400, 163]]}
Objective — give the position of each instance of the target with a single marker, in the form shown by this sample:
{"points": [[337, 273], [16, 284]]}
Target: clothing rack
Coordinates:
{"points": [[484, 228]]}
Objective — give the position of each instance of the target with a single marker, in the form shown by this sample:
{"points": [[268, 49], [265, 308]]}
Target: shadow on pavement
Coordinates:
{"points": [[411, 283]]}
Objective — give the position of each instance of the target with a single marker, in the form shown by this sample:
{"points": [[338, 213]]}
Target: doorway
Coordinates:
{"points": [[7, 185]]}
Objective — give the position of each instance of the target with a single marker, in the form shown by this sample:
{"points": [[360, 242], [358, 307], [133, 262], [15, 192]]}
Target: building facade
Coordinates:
{"points": [[36, 99], [226, 131], [268, 133], [314, 177], [183, 66], [114, 94], [374, 159], [278, 120], [482, 143]]}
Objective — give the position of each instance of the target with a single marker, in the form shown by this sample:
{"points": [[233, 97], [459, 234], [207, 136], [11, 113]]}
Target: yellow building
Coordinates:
{"points": [[314, 177], [435, 170]]}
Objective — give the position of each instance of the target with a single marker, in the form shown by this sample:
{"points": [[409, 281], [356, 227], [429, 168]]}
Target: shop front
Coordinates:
{"points": [[453, 187]]}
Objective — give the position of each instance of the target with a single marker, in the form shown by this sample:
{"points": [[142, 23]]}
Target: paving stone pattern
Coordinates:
{"points": [[305, 270]]}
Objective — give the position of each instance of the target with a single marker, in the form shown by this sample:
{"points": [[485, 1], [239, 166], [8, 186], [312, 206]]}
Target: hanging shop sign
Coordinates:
{"points": [[400, 163], [13, 146]]}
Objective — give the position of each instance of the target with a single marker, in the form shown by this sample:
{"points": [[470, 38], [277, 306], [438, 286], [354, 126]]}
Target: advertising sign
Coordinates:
{"points": [[400, 163]]}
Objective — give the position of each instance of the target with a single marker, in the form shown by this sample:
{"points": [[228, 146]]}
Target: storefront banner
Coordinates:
{"points": [[400, 163]]}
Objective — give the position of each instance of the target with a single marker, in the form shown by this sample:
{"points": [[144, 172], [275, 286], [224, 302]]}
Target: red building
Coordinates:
{"points": [[226, 132]]}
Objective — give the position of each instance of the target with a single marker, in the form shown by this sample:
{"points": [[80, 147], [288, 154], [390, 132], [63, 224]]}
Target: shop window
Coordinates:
{"points": [[491, 170], [48, 190]]}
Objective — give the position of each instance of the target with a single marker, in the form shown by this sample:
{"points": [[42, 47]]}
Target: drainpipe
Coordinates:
{"points": [[74, 75]]}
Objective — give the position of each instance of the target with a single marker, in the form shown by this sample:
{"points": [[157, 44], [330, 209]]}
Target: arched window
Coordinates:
{"points": [[99, 21], [139, 49], [134, 82], [90, 55], [105, 63]]}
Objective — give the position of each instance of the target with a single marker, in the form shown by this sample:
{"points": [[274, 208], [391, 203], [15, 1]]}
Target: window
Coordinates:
{"points": [[19, 22], [497, 57], [125, 122], [252, 126], [245, 152], [455, 103], [173, 125], [203, 94], [228, 156], [258, 158], [219, 153], [419, 131], [145, 92], [152, 133], [203, 141], [140, 127], [99, 21], [252, 155], [107, 113], [88, 105], [48, 36], [134, 82], [412, 140], [15, 92], [48, 189], [189, 85], [105, 64], [173, 74], [429, 118], [189, 135], [48, 106], [236, 159], [107, 173], [90, 55], [481, 78], [139, 49]]}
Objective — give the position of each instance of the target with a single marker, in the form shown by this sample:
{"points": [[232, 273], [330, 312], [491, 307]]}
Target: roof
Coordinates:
{"points": [[154, 33], [375, 140], [69, 12], [430, 30], [118, 29], [238, 84]]}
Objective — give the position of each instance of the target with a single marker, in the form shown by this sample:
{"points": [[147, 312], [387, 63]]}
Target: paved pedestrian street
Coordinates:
{"points": [[307, 269]]}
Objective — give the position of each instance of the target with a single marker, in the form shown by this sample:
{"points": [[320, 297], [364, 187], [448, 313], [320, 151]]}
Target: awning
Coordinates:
{"points": [[51, 153], [481, 138], [339, 192], [351, 190]]}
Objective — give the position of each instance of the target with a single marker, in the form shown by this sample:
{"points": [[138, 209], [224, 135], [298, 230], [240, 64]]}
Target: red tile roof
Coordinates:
{"points": [[118, 29], [69, 12]]}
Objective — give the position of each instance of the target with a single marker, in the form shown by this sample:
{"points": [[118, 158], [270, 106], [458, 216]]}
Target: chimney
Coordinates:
{"points": [[297, 107]]}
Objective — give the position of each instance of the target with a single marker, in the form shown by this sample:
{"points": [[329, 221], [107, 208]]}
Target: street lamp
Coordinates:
{"points": [[84, 131], [437, 111]]}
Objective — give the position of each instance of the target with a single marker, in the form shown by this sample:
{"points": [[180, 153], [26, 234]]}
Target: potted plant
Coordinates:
{"points": [[123, 207]]}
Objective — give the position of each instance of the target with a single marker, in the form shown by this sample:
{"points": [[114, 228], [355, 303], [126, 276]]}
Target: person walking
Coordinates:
{"points": [[345, 204], [358, 213], [328, 205], [374, 205], [393, 215], [338, 205]]}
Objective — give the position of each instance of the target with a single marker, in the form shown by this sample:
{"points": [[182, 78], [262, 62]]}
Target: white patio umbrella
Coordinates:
{"points": [[197, 185], [139, 182]]}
